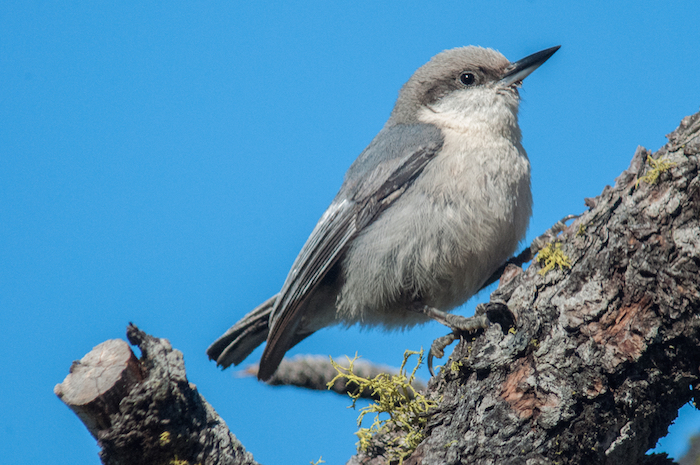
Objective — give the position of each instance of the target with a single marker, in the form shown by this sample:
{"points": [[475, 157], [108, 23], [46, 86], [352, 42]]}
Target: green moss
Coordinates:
{"points": [[164, 438], [658, 166], [177, 461], [552, 256], [405, 407], [455, 366]]}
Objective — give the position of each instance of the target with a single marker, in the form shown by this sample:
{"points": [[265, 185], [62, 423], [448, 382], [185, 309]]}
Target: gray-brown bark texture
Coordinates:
{"points": [[156, 416], [602, 354]]}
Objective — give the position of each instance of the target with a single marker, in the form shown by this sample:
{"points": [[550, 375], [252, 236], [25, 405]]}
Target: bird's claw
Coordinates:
{"points": [[437, 349], [459, 326]]}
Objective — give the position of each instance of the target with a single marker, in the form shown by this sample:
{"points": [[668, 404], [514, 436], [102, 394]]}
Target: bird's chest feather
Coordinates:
{"points": [[477, 211], [479, 176]]}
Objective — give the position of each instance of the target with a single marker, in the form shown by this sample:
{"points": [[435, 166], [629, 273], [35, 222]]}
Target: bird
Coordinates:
{"points": [[438, 200]]}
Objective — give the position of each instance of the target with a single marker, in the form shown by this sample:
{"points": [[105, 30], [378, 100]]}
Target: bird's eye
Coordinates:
{"points": [[467, 79]]}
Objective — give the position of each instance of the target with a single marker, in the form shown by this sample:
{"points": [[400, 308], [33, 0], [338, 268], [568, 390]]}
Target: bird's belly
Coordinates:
{"points": [[437, 244]]}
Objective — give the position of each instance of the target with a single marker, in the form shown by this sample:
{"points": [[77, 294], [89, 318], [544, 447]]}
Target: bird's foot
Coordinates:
{"points": [[492, 312], [457, 323]]}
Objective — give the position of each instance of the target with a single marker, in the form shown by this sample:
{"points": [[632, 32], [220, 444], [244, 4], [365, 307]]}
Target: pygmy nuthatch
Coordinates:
{"points": [[428, 211]]}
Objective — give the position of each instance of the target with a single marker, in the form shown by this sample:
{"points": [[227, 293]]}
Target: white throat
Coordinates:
{"points": [[486, 111]]}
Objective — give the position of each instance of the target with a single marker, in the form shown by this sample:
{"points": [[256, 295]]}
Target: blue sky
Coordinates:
{"points": [[163, 162]]}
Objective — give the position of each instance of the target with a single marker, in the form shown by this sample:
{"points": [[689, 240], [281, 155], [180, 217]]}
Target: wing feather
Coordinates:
{"points": [[386, 173]]}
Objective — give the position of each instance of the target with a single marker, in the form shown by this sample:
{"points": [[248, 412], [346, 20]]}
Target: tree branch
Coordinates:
{"points": [[315, 372], [145, 411]]}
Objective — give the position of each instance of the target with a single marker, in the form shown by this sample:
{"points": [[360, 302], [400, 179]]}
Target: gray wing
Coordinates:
{"points": [[375, 180]]}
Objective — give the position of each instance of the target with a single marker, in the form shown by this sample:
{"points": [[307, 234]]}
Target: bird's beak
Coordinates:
{"points": [[521, 69]]}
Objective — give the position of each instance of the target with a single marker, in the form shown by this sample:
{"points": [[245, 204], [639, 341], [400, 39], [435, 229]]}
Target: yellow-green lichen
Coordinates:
{"points": [[177, 461], [319, 461], [552, 256], [164, 438], [405, 407], [658, 166]]}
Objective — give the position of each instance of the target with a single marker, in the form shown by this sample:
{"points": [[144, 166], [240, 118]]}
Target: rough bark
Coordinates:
{"points": [[598, 360], [157, 416], [602, 354]]}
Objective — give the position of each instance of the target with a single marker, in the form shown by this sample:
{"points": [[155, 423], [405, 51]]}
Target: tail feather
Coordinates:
{"points": [[243, 337]]}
